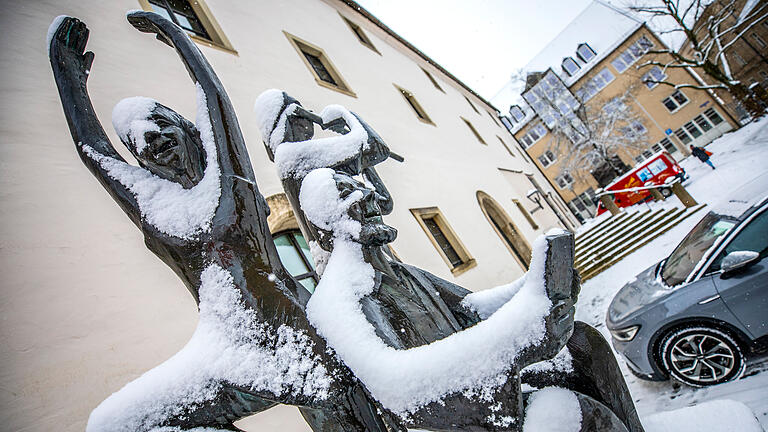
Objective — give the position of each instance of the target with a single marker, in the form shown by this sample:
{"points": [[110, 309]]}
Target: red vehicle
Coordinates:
{"points": [[653, 171]]}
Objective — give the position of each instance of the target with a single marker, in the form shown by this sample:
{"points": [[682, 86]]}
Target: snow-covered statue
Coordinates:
{"points": [[439, 356], [381, 346]]}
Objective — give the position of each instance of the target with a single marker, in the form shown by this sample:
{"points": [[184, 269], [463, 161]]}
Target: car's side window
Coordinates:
{"points": [[753, 237]]}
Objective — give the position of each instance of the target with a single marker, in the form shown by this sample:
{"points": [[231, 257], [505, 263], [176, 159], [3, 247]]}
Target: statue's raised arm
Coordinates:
{"points": [[71, 65], [232, 153]]}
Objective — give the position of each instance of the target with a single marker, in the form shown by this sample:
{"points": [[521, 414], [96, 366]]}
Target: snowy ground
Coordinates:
{"points": [[739, 157]]}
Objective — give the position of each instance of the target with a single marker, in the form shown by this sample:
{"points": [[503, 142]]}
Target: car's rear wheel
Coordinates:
{"points": [[701, 356], [666, 192]]}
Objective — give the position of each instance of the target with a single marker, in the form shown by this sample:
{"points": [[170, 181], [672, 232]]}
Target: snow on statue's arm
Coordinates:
{"points": [[67, 39], [405, 380], [232, 153]]}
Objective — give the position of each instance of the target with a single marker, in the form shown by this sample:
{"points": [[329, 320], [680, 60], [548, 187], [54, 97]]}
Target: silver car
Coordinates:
{"points": [[693, 315]]}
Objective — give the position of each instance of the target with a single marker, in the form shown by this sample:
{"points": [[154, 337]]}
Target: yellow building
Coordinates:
{"points": [[591, 66]]}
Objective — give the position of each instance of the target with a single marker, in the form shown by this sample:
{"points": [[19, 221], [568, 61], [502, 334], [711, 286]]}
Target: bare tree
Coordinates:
{"points": [[592, 138], [709, 29]]}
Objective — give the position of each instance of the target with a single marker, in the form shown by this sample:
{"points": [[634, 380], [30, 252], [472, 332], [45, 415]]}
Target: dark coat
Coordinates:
{"points": [[700, 153]]}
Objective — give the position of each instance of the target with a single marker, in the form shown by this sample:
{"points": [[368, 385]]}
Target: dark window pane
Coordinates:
{"points": [[181, 13], [670, 104], [319, 68], [713, 116], [679, 97], [692, 129], [684, 137], [289, 256], [703, 124], [442, 241]]}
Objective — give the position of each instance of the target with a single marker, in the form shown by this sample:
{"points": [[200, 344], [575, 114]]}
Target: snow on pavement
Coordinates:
{"points": [[739, 157]]}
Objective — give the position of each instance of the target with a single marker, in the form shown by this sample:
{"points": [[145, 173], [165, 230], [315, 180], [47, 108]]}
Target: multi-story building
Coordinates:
{"points": [[592, 65], [744, 28], [86, 307]]}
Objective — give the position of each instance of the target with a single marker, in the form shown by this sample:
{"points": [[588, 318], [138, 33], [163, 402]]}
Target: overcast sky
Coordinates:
{"points": [[482, 42]]}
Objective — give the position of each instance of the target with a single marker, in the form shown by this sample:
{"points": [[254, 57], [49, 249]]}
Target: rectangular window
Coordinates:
{"points": [[320, 65], [631, 54], [182, 14], [683, 136], [192, 16], [656, 148], [759, 40], [668, 146], [564, 180], [676, 100], [653, 77], [702, 123], [474, 131], [414, 104], [692, 129], [639, 158], [444, 239], [360, 34], [647, 154], [713, 116], [739, 59], [432, 80], [534, 134], [547, 158]]}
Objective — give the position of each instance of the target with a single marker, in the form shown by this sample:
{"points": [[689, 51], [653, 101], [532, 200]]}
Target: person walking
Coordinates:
{"points": [[702, 154]]}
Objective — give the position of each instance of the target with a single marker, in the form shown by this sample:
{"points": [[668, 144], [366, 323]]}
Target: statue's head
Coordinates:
{"points": [[366, 211], [339, 206], [162, 141], [283, 119]]}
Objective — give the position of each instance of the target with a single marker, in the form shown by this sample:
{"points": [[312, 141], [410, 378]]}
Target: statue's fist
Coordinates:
{"points": [[68, 46]]}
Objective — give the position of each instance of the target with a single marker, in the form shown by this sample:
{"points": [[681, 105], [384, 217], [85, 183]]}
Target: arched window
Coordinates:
{"points": [[505, 229], [570, 66], [516, 113], [585, 52], [295, 256]]}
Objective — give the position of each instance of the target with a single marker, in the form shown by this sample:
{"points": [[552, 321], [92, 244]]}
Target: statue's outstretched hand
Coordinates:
{"points": [[150, 22], [67, 49]]}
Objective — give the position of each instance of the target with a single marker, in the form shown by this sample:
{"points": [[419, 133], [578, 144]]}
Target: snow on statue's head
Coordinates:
{"points": [[274, 111], [340, 207], [161, 140]]}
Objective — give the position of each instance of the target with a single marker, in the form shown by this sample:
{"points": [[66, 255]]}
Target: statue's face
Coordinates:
{"points": [[175, 152], [366, 210]]}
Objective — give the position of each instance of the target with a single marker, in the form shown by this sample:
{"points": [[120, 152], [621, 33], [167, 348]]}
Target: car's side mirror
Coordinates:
{"points": [[737, 261]]}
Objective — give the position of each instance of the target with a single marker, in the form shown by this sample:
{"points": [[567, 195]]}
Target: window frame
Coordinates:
{"points": [[512, 112], [218, 39], [590, 50], [474, 131], [570, 61], [302, 46], [453, 240], [360, 34], [414, 104], [432, 79], [674, 100]]}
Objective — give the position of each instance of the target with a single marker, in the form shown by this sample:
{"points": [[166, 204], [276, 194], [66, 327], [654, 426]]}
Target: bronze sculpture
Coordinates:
{"points": [[227, 246]]}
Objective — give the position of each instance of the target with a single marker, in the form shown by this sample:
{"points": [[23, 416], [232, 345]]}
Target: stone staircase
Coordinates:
{"points": [[612, 239]]}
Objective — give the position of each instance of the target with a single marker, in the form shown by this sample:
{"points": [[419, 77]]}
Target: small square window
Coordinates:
{"points": [[445, 240], [702, 123], [432, 80], [516, 113], [585, 52], [361, 36], [683, 136], [320, 65], [692, 129], [713, 116], [474, 131], [759, 40], [414, 104], [192, 16]]}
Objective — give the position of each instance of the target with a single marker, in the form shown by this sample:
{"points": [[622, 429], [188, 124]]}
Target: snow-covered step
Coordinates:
{"points": [[600, 227], [639, 239], [613, 227], [647, 219], [629, 224]]}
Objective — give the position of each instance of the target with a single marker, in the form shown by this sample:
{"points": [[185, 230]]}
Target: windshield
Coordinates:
{"points": [[690, 251]]}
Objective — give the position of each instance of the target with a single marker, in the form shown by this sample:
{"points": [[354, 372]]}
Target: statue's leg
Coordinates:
{"points": [[595, 374]]}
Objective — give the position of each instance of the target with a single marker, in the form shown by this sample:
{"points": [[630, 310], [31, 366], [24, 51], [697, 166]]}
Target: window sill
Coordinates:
{"points": [[341, 90], [464, 267], [211, 44]]}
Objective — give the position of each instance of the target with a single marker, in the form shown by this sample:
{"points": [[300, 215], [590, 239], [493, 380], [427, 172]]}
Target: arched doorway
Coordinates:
{"points": [[505, 229]]}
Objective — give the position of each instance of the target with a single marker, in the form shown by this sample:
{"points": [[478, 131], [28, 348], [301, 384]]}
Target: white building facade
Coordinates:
{"points": [[86, 307]]}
